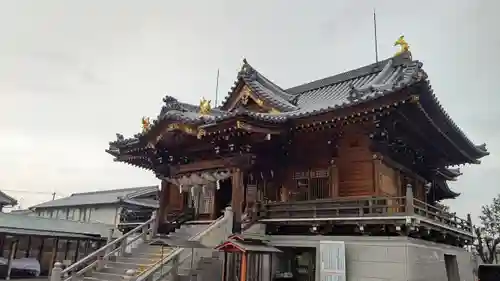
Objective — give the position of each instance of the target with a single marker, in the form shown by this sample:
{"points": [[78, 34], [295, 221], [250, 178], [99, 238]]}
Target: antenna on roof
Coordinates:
{"points": [[216, 89], [375, 33]]}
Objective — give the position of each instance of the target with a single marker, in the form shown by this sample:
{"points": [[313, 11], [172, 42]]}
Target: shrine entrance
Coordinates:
{"points": [[206, 192], [223, 195]]}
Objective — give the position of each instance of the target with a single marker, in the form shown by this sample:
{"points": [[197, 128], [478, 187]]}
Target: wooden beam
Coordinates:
{"points": [[253, 128], [40, 250], [398, 166], [28, 248], [239, 161], [77, 251]]}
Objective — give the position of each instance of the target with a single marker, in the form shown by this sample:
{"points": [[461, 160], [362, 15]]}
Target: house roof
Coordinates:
{"points": [[6, 199], [98, 197], [17, 223]]}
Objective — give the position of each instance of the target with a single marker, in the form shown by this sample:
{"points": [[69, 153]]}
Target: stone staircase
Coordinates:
{"points": [[131, 257], [141, 257]]}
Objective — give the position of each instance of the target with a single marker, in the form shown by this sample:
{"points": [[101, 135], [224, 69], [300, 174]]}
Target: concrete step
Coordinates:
{"points": [[88, 278], [128, 265], [154, 256], [139, 260], [116, 270], [153, 250], [187, 277], [107, 276]]}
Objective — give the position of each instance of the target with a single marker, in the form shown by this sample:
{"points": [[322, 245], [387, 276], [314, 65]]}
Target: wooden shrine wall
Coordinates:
{"points": [[388, 180], [355, 164], [308, 168], [350, 174]]}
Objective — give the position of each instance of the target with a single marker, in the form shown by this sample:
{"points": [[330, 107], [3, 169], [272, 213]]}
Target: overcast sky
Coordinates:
{"points": [[73, 73]]}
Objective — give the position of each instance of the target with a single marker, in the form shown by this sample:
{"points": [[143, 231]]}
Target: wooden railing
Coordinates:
{"points": [[341, 207], [437, 214], [364, 207]]}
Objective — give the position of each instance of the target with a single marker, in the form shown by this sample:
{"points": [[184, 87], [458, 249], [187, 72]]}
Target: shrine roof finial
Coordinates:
{"points": [[146, 124], [404, 46], [205, 107]]}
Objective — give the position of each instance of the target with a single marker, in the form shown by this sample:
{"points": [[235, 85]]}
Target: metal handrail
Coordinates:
{"points": [[176, 251], [105, 248]]}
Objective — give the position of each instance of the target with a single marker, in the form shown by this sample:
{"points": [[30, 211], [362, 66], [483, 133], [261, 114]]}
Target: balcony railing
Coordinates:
{"points": [[365, 208]]}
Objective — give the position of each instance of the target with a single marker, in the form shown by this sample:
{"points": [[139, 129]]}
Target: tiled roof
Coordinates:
{"points": [[34, 223], [343, 90], [6, 199], [98, 197], [339, 91]]}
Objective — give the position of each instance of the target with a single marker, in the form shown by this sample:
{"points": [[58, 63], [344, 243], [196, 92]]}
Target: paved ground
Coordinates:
{"points": [[28, 279]]}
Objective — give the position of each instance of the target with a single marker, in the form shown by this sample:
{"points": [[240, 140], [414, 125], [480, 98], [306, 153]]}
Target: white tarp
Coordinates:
{"points": [[26, 264]]}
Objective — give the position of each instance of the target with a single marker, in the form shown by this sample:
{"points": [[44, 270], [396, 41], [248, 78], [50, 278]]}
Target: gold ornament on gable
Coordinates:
{"points": [[205, 107], [146, 124], [404, 46]]}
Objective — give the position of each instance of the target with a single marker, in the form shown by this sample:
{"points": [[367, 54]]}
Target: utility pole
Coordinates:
{"points": [[53, 196]]}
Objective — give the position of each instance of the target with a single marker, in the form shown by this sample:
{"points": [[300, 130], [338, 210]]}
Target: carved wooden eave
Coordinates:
{"points": [[246, 95], [247, 126], [162, 130], [243, 161]]}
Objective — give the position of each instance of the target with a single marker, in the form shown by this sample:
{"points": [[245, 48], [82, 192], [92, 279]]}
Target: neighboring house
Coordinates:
{"points": [[6, 200], [99, 206], [46, 240]]}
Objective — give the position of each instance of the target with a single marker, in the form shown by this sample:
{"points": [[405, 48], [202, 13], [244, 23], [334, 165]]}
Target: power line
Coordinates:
{"points": [[375, 33], [32, 192]]}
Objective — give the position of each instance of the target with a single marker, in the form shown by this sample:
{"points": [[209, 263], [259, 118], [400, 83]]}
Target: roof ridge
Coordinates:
{"points": [[263, 88], [8, 197], [112, 190], [401, 59]]}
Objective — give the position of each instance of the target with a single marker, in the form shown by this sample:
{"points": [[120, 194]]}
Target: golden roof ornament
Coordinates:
{"points": [[146, 124], [404, 47], [205, 106]]}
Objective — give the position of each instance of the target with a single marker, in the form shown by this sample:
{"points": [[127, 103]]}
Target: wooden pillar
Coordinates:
{"points": [[2, 244], [225, 268], [86, 247], [28, 248], [55, 245], [66, 251], [237, 198], [12, 256], [243, 267], [334, 179], [40, 250], [215, 206], [77, 251], [164, 201], [409, 200], [377, 164]]}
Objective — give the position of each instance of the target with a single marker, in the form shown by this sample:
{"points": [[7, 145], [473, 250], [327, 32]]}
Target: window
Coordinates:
{"points": [[312, 185], [90, 213], [83, 214]]}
